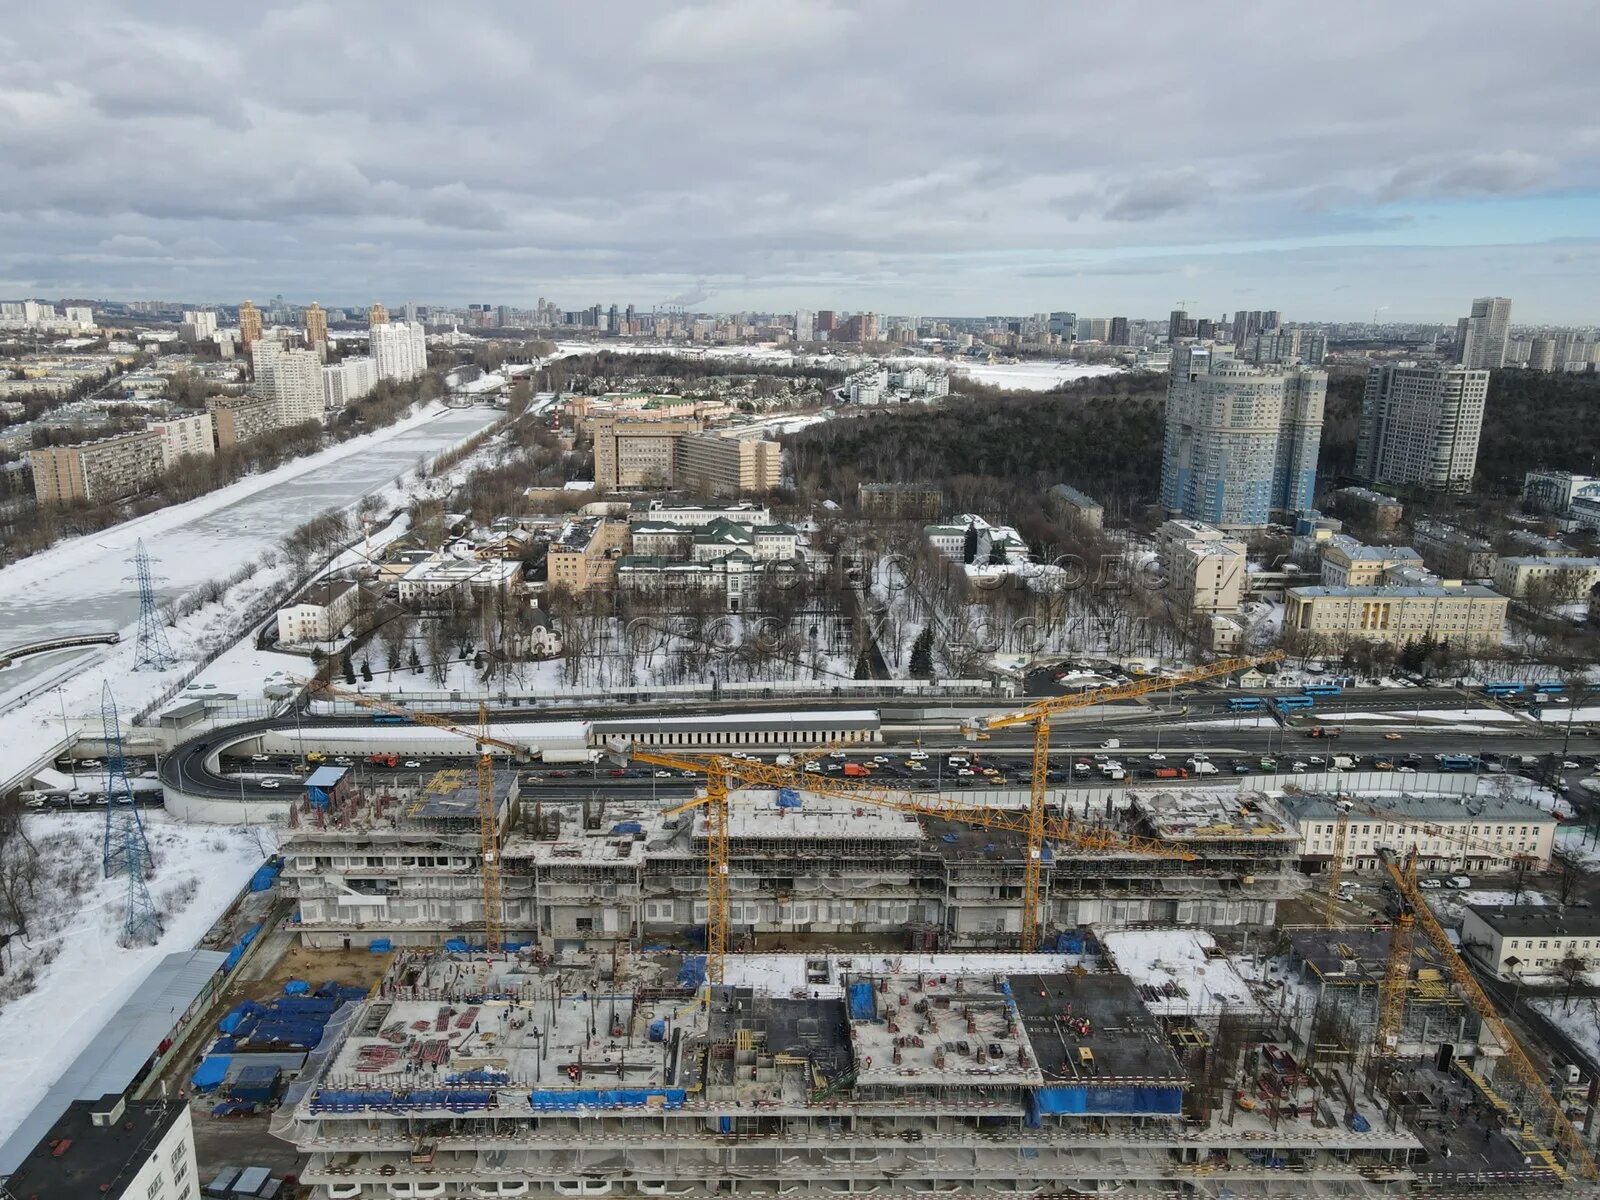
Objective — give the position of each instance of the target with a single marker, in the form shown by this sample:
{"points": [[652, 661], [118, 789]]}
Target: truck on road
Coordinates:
{"points": [[1324, 731]]}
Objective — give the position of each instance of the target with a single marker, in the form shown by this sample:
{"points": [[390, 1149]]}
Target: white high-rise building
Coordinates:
{"points": [[1420, 425], [202, 323], [80, 315], [348, 380], [1481, 338], [400, 348], [804, 327], [291, 379]]}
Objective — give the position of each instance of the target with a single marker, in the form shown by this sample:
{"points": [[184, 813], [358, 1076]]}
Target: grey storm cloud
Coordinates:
{"points": [[913, 157]]}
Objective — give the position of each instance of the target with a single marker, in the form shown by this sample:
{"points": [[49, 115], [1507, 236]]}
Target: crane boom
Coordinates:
{"points": [[362, 700], [488, 817], [1039, 714], [1566, 1137]]}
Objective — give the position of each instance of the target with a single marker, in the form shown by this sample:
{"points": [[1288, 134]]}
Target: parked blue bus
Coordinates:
{"points": [[1246, 704], [1549, 689], [1455, 762], [1288, 702], [1503, 689], [390, 719], [1323, 689]]}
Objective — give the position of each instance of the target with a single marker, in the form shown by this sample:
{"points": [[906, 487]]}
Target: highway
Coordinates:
{"points": [[1141, 731]]}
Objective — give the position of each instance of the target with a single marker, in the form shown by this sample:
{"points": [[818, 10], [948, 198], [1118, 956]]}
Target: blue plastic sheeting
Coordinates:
{"points": [[788, 798], [724, 1124], [297, 987], [266, 875], [455, 1100], [340, 993], [693, 972], [239, 948], [627, 827], [223, 1045], [1359, 1124], [213, 1069], [562, 1101], [1073, 941], [863, 1003], [380, 945], [1133, 1100], [236, 1015], [478, 1075], [658, 1030]]}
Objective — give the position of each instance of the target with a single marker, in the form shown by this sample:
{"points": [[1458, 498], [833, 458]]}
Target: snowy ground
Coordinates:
{"points": [[1580, 845], [1450, 905], [1456, 716], [83, 974], [1578, 1018], [1175, 961]]}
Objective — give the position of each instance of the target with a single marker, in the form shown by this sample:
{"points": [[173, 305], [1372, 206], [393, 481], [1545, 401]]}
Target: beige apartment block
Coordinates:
{"points": [[585, 556], [1205, 567], [632, 453], [99, 470], [240, 418], [727, 466], [1567, 578], [1349, 562], [182, 437], [1462, 613]]}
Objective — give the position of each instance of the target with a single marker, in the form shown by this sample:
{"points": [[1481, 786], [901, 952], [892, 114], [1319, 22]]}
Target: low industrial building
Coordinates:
{"points": [[1518, 941], [112, 1149], [1076, 507], [439, 577], [1567, 578], [1453, 553], [1382, 513], [1449, 833], [320, 613]]}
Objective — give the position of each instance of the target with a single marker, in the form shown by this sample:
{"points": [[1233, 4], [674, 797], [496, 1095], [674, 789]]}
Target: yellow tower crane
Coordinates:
{"points": [[1039, 715], [722, 773], [1403, 874], [488, 817]]}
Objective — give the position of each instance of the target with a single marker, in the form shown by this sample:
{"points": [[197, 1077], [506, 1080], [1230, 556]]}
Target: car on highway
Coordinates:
{"points": [[813, 767], [260, 758], [1430, 884], [1391, 737], [1459, 881], [916, 766], [881, 760], [1241, 768], [1298, 766], [1569, 765], [917, 755], [344, 760], [90, 764], [271, 783], [412, 763], [663, 774], [1316, 760], [965, 772], [835, 753], [1156, 757], [616, 772]]}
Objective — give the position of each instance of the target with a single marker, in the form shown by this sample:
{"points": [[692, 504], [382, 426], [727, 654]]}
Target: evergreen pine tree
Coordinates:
{"points": [[922, 654], [366, 671], [969, 544], [863, 670]]}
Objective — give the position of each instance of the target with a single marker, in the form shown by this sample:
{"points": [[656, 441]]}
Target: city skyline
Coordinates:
{"points": [[763, 155]]}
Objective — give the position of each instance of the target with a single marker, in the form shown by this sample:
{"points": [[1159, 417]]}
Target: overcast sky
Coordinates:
{"points": [[910, 156]]}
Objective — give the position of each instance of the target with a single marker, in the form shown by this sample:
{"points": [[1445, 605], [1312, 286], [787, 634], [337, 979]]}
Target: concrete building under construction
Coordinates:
{"points": [[578, 875], [1007, 1075]]}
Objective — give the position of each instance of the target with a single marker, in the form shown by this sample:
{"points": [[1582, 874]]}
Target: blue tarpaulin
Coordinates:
{"points": [[297, 987], [380, 945], [1133, 1100], [451, 1099], [239, 948], [658, 1030], [863, 1003], [549, 1099], [478, 1075], [693, 972], [213, 1069], [788, 798], [266, 875], [627, 827], [236, 1015]]}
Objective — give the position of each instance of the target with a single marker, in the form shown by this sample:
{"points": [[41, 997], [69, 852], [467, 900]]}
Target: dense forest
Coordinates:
{"points": [[1101, 435], [1535, 420]]}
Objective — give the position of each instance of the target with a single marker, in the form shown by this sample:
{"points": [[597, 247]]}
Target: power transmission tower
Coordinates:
{"points": [[152, 649], [127, 851]]}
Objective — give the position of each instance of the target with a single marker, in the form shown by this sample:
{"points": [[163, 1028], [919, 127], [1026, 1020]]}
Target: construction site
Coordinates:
{"points": [[798, 984]]}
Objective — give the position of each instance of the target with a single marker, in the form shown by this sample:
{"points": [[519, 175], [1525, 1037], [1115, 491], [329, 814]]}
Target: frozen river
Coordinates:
{"points": [[84, 585]]}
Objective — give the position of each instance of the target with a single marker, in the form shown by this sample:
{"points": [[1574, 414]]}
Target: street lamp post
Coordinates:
{"points": [[66, 737]]}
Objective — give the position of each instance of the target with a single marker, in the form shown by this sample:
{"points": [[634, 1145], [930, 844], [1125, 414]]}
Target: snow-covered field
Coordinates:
{"points": [[1580, 845], [1023, 376], [199, 870]]}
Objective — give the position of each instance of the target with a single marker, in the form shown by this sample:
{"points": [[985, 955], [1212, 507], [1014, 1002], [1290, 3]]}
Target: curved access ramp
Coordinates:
{"points": [[66, 642]]}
